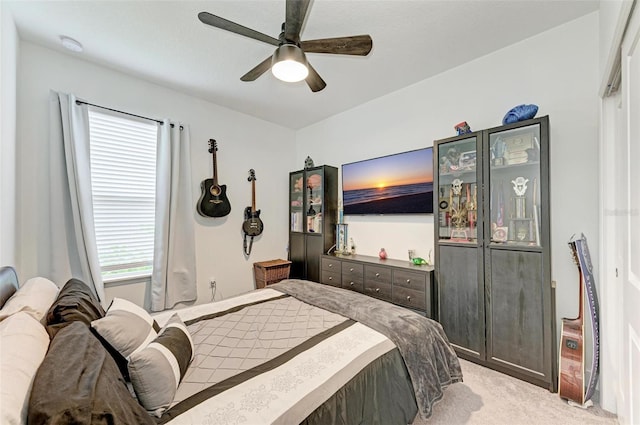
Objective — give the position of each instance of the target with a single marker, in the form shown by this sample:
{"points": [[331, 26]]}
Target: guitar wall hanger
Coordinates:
{"points": [[213, 201]]}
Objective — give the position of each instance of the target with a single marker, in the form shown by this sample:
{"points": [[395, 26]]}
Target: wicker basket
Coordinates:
{"points": [[268, 272]]}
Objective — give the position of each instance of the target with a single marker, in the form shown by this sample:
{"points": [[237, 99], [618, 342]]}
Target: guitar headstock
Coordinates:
{"points": [[213, 145], [574, 251], [252, 175]]}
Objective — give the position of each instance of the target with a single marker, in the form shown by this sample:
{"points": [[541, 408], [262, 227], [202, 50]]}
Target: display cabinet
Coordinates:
{"points": [[313, 207], [492, 256]]}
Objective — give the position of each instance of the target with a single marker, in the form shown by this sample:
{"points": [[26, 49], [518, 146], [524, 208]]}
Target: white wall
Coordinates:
{"points": [[244, 142], [8, 72], [557, 70]]}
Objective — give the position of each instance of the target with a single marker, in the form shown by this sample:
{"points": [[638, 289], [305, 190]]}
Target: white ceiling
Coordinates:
{"points": [[164, 42]]}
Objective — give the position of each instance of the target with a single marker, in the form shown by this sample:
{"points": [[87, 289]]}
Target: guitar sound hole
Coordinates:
{"points": [[215, 191]]}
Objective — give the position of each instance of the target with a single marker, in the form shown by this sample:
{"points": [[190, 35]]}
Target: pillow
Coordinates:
{"points": [[23, 345], [79, 383], [126, 327], [75, 302], [156, 371], [34, 297]]}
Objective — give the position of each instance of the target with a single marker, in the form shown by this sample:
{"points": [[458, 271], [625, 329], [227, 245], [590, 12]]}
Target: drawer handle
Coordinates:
{"points": [[351, 283], [330, 265], [330, 277], [408, 281], [408, 297], [377, 289], [377, 274], [351, 269]]}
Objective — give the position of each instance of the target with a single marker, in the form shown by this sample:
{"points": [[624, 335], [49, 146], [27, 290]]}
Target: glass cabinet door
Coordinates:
{"points": [[514, 186], [314, 200], [458, 191], [296, 201]]}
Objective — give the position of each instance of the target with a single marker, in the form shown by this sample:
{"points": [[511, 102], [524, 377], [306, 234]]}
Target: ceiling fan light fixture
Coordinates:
{"points": [[289, 63]]}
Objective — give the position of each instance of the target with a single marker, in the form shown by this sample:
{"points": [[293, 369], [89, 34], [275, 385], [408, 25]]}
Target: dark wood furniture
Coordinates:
{"points": [[396, 281], [313, 210], [492, 249]]}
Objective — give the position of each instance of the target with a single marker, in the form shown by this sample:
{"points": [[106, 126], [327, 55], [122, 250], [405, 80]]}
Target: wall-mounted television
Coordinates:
{"points": [[395, 184]]}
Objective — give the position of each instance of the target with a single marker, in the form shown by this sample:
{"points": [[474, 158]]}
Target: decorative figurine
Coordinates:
{"points": [[341, 239], [498, 149], [521, 227], [453, 158], [382, 254], [308, 163], [458, 211], [520, 188]]}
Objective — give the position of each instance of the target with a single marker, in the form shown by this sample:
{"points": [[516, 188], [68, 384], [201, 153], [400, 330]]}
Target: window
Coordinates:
{"points": [[123, 180]]}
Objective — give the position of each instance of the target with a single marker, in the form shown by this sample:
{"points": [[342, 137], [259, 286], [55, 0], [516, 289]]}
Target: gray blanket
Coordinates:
{"points": [[431, 361]]}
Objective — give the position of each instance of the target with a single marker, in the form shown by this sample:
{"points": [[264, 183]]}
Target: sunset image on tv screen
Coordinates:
{"points": [[394, 184]]}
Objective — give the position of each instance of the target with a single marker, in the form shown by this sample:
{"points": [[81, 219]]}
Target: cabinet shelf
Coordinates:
{"points": [[492, 250], [313, 208]]}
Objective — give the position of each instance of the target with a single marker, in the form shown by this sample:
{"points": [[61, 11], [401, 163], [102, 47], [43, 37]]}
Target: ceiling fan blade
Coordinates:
{"points": [[355, 45], [218, 22], [258, 70], [314, 80], [296, 12]]}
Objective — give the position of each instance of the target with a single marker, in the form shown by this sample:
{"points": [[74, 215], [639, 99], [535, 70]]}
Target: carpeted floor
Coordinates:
{"points": [[492, 398]]}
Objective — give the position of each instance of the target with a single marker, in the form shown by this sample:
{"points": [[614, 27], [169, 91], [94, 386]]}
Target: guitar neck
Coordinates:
{"points": [[581, 301], [253, 196], [215, 168]]}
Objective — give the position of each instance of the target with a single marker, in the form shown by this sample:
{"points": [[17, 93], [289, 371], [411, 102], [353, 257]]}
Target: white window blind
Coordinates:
{"points": [[123, 178]]}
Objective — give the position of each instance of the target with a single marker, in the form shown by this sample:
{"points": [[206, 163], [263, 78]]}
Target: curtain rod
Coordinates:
{"points": [[79, 102]]}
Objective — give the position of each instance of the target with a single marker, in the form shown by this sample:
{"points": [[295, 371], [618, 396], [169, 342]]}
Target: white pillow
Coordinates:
{"points": [[23, 345], [127, 327], [34, 297]]}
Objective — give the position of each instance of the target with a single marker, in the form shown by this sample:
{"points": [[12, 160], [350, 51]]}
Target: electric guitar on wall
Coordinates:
{"points": [[571, 380], [252, 225], [213, 202]]}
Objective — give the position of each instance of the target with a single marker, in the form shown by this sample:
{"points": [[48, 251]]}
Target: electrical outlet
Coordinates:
{"points": [[212, 282]]}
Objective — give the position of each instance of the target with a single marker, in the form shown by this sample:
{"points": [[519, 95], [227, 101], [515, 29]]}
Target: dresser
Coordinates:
{"points": [[396, 281]]}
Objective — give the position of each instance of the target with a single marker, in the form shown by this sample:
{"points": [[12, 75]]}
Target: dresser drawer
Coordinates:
{"points": [[331, 278], [411, 280], [377, 274], [409, 298], [330, 264], [353, 285], [352, 272], [380, 290]]}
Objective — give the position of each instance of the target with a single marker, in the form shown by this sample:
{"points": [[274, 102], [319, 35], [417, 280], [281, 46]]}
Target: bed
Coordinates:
{"points": [[294, 352]]}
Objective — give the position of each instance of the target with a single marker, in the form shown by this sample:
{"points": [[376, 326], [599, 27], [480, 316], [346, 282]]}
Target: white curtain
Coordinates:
{"points": [[174, 270], [70, 249]]}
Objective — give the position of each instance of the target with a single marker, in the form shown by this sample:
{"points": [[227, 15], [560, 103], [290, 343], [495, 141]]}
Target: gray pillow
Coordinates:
{"points": [[127, 327], [156, 370]]}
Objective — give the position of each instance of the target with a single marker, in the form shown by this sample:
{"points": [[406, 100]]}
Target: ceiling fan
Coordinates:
{"points": [[289, 62]]}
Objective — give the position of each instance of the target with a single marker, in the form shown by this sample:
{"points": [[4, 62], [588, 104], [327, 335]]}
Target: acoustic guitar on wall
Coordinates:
{"points": [[571, 379], [213, 201]]}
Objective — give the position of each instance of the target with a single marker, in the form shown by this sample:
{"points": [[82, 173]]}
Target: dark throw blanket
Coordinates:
{"points": [[431, 361]]}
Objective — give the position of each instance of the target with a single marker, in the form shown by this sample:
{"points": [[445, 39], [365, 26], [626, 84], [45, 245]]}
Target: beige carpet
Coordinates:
{"points": [[492, 398]]}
